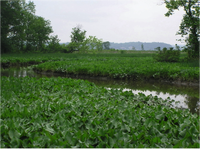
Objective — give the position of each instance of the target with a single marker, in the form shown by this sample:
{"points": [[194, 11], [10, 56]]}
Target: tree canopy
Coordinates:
{"points": [[21, 29], [79, 42], [106, 45], [190, 23]]}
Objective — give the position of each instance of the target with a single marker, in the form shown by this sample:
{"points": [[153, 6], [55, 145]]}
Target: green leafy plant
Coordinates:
{"points": [[62, 112], [120, 66]]}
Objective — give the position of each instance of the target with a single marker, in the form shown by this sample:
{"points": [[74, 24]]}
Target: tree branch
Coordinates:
{"points": [[184, 6]]}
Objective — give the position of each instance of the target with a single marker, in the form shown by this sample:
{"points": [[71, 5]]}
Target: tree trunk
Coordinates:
{"points": [[193, 37]]}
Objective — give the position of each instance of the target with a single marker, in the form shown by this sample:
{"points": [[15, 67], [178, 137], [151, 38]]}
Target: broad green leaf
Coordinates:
{"points": [[13, 134], [182, 133], [111, 141]]}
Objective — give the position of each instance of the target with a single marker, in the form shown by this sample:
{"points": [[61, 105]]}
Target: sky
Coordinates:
{"points": [[116, 21]]}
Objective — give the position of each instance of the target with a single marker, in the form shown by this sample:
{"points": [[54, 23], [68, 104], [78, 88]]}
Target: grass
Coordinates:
{"points": [[62, 112]]}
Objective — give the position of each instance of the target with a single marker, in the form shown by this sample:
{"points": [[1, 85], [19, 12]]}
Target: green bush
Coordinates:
{"points": [[167, 55], [122, 51]]}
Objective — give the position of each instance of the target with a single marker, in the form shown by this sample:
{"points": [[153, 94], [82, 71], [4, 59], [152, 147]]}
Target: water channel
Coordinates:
{"points": [[188, 96]]}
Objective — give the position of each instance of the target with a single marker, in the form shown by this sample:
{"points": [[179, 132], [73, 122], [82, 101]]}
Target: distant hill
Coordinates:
{"points": [[137, 45]]}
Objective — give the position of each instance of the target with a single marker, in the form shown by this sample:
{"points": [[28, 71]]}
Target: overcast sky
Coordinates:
{"points": [[112, 20]]}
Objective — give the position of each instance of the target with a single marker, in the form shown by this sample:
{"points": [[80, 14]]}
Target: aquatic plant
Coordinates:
{"points": [[122, 68], [62, 112]]}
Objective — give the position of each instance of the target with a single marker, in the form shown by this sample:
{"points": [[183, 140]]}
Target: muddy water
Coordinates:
{"points": [[188, 96]]}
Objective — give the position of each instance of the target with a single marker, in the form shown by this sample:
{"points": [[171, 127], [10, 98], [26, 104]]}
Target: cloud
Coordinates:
{"points": [[112, 20]]}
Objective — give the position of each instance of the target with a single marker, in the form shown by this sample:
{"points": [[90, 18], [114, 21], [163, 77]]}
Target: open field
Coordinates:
{"points": [[31, 58], [62, 112]]}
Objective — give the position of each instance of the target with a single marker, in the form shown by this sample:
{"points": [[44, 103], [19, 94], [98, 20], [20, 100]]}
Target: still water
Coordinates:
{"points": [[188, 96]]}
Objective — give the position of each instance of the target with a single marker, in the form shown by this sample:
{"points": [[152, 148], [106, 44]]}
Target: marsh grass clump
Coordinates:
{"points": [[64, 113]]}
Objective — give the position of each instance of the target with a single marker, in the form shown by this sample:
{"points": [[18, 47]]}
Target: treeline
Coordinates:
{"points": [[22, 30]]}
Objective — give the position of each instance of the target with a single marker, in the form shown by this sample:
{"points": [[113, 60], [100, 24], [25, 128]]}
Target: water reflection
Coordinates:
{"points": [[20, 72], [180, 98], [188, 96], [193, 104]]}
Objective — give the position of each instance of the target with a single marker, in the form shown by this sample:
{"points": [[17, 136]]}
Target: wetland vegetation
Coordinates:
{"points": [[64, 112]]}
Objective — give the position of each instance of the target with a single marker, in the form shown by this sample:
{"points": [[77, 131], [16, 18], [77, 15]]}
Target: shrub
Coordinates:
{"points": [[167, 55], [122, 51]]}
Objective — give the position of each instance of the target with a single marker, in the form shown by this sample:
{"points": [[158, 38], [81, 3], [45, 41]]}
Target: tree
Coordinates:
{"points": [[92, 43], [13, 23], [106, 45], [190, 23], [8, 23], [142, 47], [77, 38], [41, 30], [26, 14], [21, 29], [53, 44]]}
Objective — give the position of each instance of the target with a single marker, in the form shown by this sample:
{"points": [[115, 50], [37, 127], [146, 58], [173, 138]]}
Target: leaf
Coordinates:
{"points": [[13, 134], [193, 130], [182, 133], [187, 121], [3, 144], [195, 139], [111, 142], [156, 140], [101, 132], [160, 116], [49, 128], [68, 136]]}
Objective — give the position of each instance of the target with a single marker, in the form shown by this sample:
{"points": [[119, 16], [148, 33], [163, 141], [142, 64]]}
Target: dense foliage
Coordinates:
{"points": [[190, 23], [62, 112], [167, 55], [106, 45], [80, 43], [122, 67], [22, 30]]}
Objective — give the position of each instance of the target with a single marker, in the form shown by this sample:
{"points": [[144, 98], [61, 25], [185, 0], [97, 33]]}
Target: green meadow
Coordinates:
{"points": [[64, 112]]}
